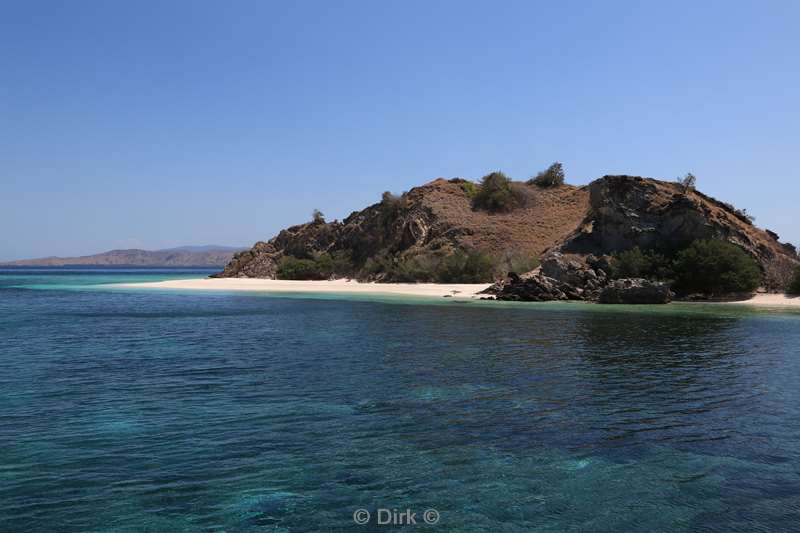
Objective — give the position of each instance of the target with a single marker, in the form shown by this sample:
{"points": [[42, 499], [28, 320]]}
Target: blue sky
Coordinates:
{"points": [[164, 123]]}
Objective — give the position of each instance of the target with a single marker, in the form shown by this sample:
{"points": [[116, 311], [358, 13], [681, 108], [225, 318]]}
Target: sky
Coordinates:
{"points": [[154, 124]]}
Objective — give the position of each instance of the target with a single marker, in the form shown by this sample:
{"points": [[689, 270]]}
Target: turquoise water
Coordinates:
{"points": [[133, 410]]}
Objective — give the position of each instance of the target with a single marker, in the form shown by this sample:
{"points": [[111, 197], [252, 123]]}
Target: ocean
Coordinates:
{"points": [[145, 410]]}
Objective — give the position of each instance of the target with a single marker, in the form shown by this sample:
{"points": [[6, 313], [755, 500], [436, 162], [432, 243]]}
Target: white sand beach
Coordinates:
{"points": [[463, 291], [468, 291], [770, 300]]}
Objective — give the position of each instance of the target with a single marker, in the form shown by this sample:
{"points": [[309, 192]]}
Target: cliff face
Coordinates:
{"points": [[611, 214], [628, 211]]}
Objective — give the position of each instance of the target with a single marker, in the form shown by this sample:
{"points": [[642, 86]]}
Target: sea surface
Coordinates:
{"points": [[145, 410]]}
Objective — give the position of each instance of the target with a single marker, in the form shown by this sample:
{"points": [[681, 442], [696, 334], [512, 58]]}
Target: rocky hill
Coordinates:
{"points": [[628, 211], [188, 256], [435, 218], [612, 214]]}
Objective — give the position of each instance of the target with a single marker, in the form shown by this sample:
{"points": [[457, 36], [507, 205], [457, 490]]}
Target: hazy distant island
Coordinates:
{"points": [[619, 239], [184, 256]]}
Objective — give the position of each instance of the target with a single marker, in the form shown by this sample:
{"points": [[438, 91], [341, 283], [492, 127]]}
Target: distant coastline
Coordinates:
{"points": [[79, 267], [208, 256]]}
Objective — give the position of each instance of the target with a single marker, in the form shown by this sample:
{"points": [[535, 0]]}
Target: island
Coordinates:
{"points": [[619, 239]]}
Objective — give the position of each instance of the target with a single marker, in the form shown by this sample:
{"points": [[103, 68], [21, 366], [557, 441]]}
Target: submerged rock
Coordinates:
{"points": [[635, 291]]}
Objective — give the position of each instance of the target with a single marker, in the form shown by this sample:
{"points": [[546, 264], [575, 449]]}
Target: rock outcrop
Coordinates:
{"points": [[261, 261], [584, 275], [629, 211], [532, 288], [558, 278], [635, 291]]}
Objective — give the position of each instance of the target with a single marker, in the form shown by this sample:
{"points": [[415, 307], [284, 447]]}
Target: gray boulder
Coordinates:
{"points": [[635, 291], [532, 288]]}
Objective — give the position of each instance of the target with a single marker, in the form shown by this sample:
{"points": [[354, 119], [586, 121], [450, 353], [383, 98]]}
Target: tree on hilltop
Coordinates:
{"points": [[553, 176]]}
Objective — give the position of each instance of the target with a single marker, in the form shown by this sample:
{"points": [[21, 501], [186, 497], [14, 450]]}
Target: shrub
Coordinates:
{"points": [[741, 214], [469, 188], [321, 266], [390, 205], [391, 201], [715, 267], [317, 217], [374, 265], [794, 286], [687, 182], [744, 216], [342, 263], [635, 263], [495, 194], [465, 266], [412, 268], [552, 177], [291, 267]]}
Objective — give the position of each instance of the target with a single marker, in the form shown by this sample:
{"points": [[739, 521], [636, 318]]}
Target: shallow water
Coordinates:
{"points": [[125, 410]]}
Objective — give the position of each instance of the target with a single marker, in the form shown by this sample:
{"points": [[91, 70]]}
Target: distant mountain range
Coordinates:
{"points": [[183, 256]]}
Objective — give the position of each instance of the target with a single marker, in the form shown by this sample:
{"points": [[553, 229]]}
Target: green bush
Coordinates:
{"points": [[465, 266], [794, 286], [408, 269], [552, 177], [715, 267], [635, 263], [415, 268], [342, 263], [373, 266], [392, 202], [495, 194], [321, 266], [469, 188], [291, 267]]}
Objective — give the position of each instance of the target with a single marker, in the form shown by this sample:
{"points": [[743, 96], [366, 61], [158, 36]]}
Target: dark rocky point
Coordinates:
{"points": [[635, 291]]}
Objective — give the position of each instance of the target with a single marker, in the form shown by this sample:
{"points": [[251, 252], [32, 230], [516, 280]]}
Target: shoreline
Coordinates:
{"points": [[468, 291], [765, 300], [461, 291]]}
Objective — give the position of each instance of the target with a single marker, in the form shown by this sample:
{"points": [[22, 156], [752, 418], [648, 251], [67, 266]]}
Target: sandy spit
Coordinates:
{"points": [[769, 300], [462, 291], [469, 291]]}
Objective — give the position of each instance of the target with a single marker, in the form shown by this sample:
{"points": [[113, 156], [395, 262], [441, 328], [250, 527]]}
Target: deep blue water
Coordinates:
{"points": [[133, 410]]}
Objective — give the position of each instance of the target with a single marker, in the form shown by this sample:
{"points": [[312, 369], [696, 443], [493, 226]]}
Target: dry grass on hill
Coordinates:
{"points": [[547, 217]]}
